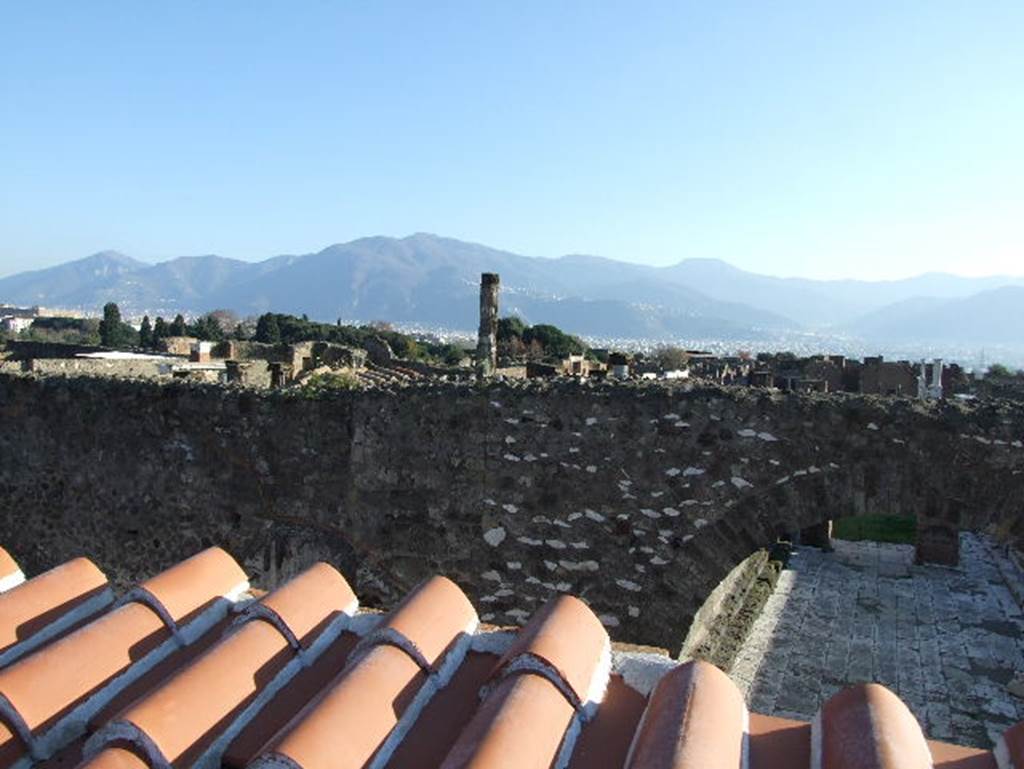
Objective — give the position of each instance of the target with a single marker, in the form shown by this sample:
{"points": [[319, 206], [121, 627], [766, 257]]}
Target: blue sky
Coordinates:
{"points": [[868, 139]]}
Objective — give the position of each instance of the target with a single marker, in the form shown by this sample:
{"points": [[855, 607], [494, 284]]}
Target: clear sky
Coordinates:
{"points": [[864, 139]]}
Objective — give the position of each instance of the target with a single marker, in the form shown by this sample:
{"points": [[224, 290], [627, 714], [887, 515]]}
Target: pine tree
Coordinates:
{"points": [[178, 326], [145, 333], [159, 329]]}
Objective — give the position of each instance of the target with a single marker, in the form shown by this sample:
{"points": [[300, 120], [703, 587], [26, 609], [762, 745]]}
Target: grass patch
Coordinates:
{"points": [[895, 529]]}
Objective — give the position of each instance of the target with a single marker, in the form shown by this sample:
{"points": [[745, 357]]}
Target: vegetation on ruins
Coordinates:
{"points": [[333, 380], [518, 341], [671, 358]]}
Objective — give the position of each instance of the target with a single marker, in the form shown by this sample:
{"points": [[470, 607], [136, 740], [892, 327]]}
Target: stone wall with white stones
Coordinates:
{"points": [[640, 499]]}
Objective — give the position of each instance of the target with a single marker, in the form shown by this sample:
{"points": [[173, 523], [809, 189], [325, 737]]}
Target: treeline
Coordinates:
{"points": [[270, 328]]}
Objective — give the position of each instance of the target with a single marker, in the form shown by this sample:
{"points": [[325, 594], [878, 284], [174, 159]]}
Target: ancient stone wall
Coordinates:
{"points": [[640, 499]]}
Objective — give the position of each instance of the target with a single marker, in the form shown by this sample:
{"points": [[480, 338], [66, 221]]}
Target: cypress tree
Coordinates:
{"points": [[111, 333], [145, 333]]}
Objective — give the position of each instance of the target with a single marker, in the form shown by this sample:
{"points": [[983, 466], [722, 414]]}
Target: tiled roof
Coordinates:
{"points": [[192, 668]]}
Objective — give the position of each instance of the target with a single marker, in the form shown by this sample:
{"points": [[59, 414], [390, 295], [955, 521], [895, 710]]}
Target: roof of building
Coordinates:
{"points": [[195, 668]]}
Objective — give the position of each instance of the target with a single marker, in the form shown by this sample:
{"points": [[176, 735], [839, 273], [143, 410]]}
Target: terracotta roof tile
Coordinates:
{"points": [[36, 611], [389, 678], [176, 676], [203, 707], [292, 698], [547, 683], [695, 719], [184, 590], [568, 639], [10, 573], [876, 720], [49, 696]]}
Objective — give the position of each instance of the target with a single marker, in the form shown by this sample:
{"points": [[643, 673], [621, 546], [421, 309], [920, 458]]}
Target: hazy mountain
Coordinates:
{"points": [[992, 317], [431, 280], [821, 303]]}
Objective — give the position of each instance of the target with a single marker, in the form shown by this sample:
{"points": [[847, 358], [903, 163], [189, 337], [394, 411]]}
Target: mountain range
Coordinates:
{"points": [[432, 281]]}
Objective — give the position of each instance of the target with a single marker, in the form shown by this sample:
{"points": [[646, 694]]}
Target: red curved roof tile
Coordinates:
{"points": [[695, 719], [221, 691], [384, 686], [181, 591], [567, 637], [115, 758], [49, 604], [557, 664], [50, 695], [875, 720]]}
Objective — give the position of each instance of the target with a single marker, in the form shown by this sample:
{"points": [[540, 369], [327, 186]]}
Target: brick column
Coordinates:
{"points": [[487, 340]]}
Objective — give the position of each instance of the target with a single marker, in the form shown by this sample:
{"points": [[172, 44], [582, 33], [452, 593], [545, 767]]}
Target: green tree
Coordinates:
{"points": [[999, 371], [267, 329], [510, 328], [160, 329], [111, 333], [145, 333], [178, 326]]}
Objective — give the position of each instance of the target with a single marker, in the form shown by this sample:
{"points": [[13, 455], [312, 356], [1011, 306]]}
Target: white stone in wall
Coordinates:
{"points": [[672, 472], [609, 620], [691, 471], [593, 516], [495, 536], [510, 508], [740, 483], [626, 584], [767, 437]]}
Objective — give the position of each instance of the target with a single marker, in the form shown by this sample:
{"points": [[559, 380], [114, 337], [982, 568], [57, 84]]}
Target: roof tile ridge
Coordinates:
{"points": [[868, 713], [704, 691]]}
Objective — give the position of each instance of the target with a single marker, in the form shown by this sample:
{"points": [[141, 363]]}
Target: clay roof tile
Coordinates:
{"points": [[40, 609], [548, 681], [867, 727], [387, 682], [427, 621], [115, 758], [192, 585], [565, 636], [302, 606], [10, 573], [203, 706], [695, 719]]}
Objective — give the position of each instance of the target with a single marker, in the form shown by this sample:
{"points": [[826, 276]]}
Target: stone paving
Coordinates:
{"points": [[948, 641]]}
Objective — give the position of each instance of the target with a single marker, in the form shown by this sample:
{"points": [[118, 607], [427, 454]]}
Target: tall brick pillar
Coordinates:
{"points": [[487, 340]]}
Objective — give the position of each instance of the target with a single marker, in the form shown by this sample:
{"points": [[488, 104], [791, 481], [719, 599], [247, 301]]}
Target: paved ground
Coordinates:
{"points": [[948, 641]]}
